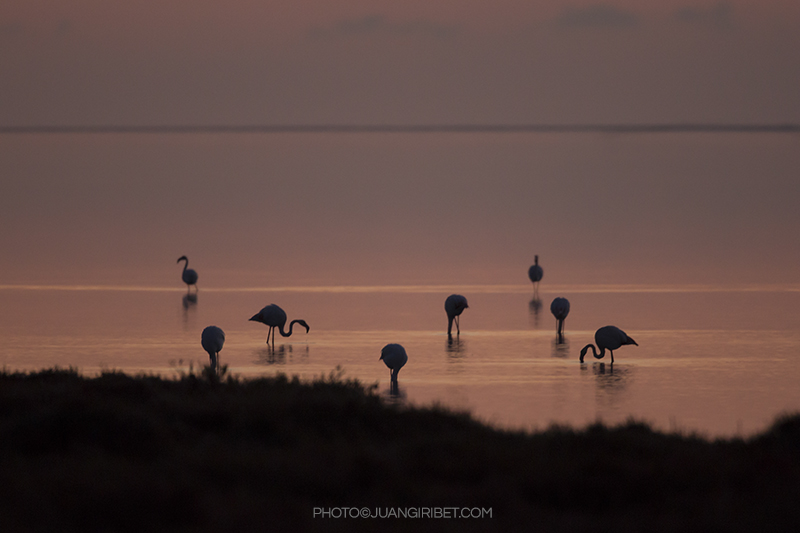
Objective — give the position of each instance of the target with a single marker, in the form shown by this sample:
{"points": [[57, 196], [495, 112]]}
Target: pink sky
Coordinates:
{"points": [[513, 61], [724, 206]]}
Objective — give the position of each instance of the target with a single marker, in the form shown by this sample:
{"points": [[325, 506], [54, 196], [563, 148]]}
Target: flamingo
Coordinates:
{"points": [[607, 338], [275, 317], [394, 356], [212, 340], [188, 276], [454, 306], [535, 272], [560, 310]]}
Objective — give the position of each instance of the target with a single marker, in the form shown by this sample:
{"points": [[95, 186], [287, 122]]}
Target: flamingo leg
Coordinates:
{"points": [[612, 356], [458, 326]]}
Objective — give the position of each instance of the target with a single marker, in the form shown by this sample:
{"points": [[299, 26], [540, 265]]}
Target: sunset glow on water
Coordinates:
{"points": [[727, 370], [688, 242]]}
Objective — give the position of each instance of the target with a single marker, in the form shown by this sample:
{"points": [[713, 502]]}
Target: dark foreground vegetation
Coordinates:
{"points": [[122, 453]]}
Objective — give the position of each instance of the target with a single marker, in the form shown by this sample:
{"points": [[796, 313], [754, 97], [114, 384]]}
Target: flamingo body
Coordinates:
{"points": [[535, 272], [275, 317], [394, 356], [212, 340], [454, 305], [189, 276], [560, 310], [607, 338]]}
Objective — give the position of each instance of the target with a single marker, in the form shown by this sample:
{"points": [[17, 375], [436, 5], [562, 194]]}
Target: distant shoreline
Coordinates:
{"points": [[405, 128], [427, 289]]}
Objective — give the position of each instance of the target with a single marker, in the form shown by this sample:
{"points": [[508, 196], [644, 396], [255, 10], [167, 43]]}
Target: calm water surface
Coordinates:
{"points": [[718, 361], [365, 235]]}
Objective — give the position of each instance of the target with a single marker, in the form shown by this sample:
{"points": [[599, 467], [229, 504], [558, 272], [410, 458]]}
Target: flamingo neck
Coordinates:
{"points": [[594, 352], [291, 326]]}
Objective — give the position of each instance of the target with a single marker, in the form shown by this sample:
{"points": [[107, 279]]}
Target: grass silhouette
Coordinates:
{"points": [[208, 453]]}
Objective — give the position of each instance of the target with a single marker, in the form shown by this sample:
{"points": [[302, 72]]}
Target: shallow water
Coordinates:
{"points": [[718, 361], [687, 241]]}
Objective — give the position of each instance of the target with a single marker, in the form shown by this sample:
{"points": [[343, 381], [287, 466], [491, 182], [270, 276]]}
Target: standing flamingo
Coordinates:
{"points": [[394, 356], [607, 338], [454, 305], [275, 317], [188, 276], [560, 310], [212, 340], [535, 272]]}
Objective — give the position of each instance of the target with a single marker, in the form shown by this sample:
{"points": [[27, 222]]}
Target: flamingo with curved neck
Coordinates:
{"points": [[454, 305], [275, 317], [394, 357], [607, 338], [189, 276]]}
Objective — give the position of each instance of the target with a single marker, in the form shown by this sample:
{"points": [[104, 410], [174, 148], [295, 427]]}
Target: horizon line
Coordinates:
{"points": [[432, 288], [412, 128]]}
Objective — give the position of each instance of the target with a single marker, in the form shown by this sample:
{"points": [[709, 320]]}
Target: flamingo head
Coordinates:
{"points": [[583, 352], [182, 258], [302, 323]]}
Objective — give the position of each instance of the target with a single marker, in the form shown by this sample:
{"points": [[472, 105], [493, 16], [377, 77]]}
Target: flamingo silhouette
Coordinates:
{"points": [[560, 310], [394, 356], [188, 276], [454, 305], [212, 340], [607, 338], [275, 317], [535, 272]]}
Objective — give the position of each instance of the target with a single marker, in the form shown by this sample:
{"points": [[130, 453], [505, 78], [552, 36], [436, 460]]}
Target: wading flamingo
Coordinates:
{"points": [[212, 340], [535, 272], [275, 317], [188, 276], [394, 356], [560, 310], [607, 338], [454, 306]]}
